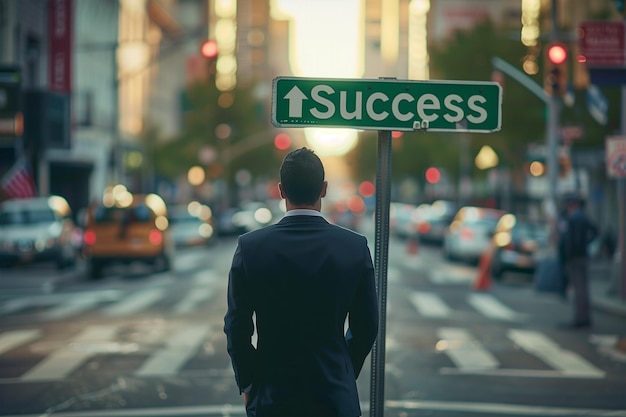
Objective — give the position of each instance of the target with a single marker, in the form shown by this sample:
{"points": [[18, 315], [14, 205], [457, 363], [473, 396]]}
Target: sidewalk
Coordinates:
{"points": [[603, 282]]}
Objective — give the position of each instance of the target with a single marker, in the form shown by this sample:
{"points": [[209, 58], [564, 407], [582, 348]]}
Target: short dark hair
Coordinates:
{"points": [[302, 176]]}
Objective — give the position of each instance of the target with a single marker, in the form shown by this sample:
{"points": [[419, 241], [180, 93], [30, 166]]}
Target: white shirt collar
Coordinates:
{"points": [[303, 212]]}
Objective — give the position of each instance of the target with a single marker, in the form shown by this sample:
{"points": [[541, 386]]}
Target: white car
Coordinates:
{"points": [[470, 233], [37, 229]]}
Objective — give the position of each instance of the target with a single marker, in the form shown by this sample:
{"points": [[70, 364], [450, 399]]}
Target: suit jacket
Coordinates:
{"points": [[301, 278]]}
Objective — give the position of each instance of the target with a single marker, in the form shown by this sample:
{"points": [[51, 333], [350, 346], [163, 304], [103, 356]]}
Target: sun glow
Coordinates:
{"points": [[315, 50]]}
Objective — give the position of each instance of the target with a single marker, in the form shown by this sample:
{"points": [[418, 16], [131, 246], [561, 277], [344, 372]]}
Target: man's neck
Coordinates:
{"points": [[289, 206]]}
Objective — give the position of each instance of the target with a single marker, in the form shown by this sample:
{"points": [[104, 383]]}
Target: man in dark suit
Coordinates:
{"points": [[301, 278]]}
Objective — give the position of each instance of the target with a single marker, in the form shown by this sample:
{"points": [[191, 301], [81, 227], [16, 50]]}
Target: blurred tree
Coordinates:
{"points": [[221, 122], [467, 56]]}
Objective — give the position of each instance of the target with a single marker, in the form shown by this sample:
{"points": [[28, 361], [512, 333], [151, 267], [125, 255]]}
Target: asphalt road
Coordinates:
{"points": [[142, 344]]}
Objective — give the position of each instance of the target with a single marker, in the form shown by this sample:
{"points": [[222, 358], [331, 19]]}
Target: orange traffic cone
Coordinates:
{"points": [[412, 245], [483, 279]]}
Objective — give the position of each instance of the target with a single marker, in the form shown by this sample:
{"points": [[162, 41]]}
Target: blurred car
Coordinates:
{"points": [[432, 227], [37, 229], [346, 213], [515, 245], [226, 225], [400, 224], [239, 220], [126, 228], [470, 233], [191, 224]]}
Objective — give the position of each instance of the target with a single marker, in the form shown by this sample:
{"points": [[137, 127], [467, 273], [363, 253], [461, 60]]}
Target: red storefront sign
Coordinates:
{"points": [[60, 45], [602, 44]]}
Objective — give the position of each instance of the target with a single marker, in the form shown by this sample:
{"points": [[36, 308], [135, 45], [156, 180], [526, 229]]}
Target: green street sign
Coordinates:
{"points": [[387, 104]]}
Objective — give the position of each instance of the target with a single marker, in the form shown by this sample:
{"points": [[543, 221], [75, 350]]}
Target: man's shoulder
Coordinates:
{"points": [[258, 233], [345, 232]]}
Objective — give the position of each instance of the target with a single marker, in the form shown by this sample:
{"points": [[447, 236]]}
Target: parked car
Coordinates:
{"points": [[126, 228], [191, 224], [431, 227], [37, 229], [470, 233], [515, 245], [400, 219], [249, 216]]}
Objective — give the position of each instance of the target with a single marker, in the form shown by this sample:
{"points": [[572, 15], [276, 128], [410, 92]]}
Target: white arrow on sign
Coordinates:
{"points": [[295, 97]]}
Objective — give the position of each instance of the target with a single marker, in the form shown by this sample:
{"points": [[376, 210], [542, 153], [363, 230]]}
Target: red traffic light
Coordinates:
{"points": [[282, 141], [433, 175], [209, 49], [557, 54]]}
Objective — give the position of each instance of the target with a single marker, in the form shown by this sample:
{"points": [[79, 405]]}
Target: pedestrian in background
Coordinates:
{"points": [[301, 278], [576, 235], [561, 228]]}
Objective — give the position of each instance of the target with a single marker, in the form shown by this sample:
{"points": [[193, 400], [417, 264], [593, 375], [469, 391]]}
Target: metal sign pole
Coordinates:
{"points": [[622, 210], [383, 198]]}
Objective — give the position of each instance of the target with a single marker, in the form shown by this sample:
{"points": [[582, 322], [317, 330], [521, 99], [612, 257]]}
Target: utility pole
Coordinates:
{"points": [[554, 112]]}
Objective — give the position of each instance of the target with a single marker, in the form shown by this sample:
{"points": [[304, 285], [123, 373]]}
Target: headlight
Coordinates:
{"points": [[54, 230], [263, 215], [205, 230]]}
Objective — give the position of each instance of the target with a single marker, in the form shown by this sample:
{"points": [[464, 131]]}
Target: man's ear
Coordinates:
{"points": [[324, 187], [281, 192]]}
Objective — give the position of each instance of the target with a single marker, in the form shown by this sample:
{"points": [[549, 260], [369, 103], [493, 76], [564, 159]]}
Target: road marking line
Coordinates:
{"points": [[193, 298], [490, 307], [177, 351], [429, 304], [499, 408], [12, 339], [465, 351], [135, 303], [65, 360], [515, 373], [205, 277], [406, 405], [565, 361], [188, 261], [52, 299], [73, 307]]}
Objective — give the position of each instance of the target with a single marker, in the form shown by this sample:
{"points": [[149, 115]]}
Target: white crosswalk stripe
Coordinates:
{"points": [[490, 307], [177, 351], [467, 351], [135, 302], [66, 359], [429, 304], [564, 361], [71, 308], [192, 300], [11, 340], [464, 350]]}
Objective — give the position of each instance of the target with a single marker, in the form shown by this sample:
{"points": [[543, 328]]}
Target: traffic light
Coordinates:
{"points": [[209, 51], [555, 65], [433, 175], [282, 141]]}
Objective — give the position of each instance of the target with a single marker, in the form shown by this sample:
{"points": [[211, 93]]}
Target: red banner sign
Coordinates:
{"points": [[602, 43], [60, 45]]}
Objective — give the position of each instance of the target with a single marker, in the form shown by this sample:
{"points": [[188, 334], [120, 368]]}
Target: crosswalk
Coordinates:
{"points": [[466, 352], [168, 353], [471, 357], [114, 303], [431, 305]]}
